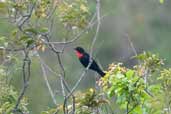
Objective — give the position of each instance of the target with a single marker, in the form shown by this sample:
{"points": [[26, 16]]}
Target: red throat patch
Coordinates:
{"points": [[79, 55]]}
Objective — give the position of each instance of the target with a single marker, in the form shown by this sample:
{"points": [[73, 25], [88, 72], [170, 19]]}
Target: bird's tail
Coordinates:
{"points": [[101, 73]]}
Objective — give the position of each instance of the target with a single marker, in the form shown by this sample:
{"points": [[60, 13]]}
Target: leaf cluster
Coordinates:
{"points": [[74, 14], [132, 90], [9, 96]]}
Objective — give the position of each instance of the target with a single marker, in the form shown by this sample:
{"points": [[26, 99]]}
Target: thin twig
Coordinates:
{"points": [[78, 36], [46, 80], [131, 44]]}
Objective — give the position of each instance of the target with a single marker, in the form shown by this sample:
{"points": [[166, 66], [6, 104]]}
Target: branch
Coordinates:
{"points": [[131, 45], [26, 77], [77, 37], [91, 50], [26, 17], [46, 80], [62, 76]]}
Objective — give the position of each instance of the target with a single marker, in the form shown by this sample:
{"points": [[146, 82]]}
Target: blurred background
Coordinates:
{"points": [[147, 23]]}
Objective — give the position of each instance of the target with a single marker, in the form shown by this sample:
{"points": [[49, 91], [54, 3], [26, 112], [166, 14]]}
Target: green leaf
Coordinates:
{"points": [[44, 112], [24, 38], [30, 41], [119, 75], [138, 110], [27, 40], [129, 73], [43, 30], [111, 91], [161, 1], [31, 30]]}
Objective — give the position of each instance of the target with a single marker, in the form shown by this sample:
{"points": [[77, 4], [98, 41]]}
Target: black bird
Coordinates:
{"points": [[84, 58]]}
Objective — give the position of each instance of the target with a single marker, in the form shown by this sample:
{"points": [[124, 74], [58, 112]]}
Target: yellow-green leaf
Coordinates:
{"points": [[161, 1]]}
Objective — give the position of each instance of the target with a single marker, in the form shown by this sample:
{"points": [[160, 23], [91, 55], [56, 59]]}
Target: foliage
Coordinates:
{"points": [[143, 89], [88, 101], [133, 93], [165, 80], [85, 102], [128, 86], [31, 22], [74, 14], [149, 61], [42, 8], [9, 96]]}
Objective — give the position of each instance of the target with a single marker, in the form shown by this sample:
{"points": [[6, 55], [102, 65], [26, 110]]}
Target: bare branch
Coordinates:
{"points": [[131, 44], [77, 37], [26, 76], [46, 80]]}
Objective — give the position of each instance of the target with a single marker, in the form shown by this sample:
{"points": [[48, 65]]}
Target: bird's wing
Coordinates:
{"points": [[85, 60]]}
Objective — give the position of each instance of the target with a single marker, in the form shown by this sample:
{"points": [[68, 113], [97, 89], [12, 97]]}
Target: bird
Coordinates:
{"points": [[84, 58]]}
